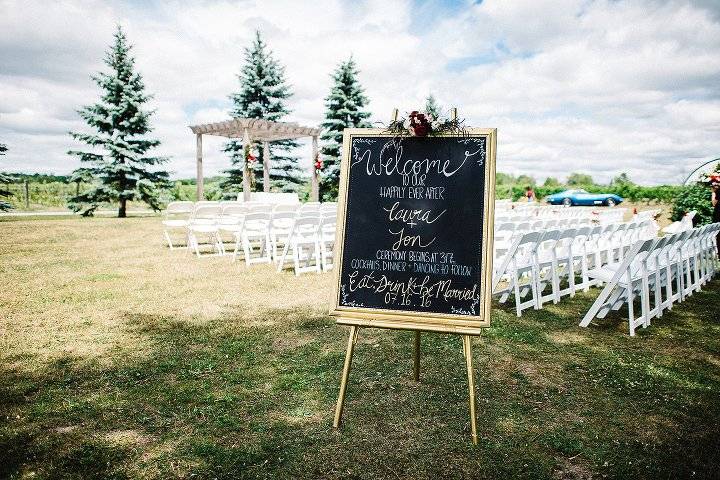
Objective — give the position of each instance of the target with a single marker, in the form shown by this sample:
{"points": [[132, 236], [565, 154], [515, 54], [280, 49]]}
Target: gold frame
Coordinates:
{"points": [[408, 320]]}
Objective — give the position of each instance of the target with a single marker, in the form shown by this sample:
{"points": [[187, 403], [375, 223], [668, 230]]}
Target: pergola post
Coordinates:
{"points": [[246, 168], [199, 174], [315, 186], [266, 166]]}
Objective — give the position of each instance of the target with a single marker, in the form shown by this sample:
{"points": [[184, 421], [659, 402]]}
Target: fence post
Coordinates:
{"points": [[27, 195]]}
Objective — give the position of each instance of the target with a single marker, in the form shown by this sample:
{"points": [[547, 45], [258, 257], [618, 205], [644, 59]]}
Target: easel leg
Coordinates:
{"points": [[346, 371], [467, 349], [416, 365]]}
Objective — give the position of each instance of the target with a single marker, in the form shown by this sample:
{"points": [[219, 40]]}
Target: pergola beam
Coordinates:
{"points": [[259, 130]]}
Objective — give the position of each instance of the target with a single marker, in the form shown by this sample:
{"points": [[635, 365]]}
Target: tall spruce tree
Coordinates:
{"points": [[118, 162], [263, 94], [4, 179], [344, 109]]}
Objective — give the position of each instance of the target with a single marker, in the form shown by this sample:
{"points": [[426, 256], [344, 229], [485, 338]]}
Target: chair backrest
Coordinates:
{"points": [[207, 212], [286, 207], [260, 208], [234, 209], [179, 207], [257, 221], [306, 225], [310, 207], [282, 220], [206, 203]]}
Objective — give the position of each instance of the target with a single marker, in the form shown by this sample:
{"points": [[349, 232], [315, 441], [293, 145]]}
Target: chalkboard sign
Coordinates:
{"points": [[414, 241]]}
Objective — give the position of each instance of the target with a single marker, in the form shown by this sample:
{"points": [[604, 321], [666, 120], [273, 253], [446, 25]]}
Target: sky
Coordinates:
{"points": [[599, 87]]}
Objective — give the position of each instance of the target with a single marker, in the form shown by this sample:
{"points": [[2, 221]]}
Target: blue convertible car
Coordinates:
{"points": [[581, 197]]}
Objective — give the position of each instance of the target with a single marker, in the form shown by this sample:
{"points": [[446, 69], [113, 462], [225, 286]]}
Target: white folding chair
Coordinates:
{"points": [[304, 245], [255, 234], [280, 228], [204, 223], [231, 220], [624, 282], [177, 217]]}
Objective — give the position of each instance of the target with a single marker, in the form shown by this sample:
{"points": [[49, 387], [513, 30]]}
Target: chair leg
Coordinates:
{"points": [[247, 249], [167, 237], [631, 308], [237, 247]]}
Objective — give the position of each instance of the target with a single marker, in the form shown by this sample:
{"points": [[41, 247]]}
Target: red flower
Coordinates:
{"points": [[419, 124], [420, 130]]}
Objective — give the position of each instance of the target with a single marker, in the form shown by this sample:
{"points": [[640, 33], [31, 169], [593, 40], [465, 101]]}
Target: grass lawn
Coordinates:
{"points": [[119, 358]]}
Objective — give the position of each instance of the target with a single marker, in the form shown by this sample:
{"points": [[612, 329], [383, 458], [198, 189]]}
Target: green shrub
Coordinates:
{"points": [[693, 197]]}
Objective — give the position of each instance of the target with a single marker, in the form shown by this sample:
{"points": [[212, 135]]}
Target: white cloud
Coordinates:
{"points": [[601, 87]]}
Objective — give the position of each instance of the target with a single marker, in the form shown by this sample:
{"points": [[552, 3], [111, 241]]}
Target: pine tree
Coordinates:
{"points": [[4, 179], [117, 163], [432, 107], [344, 109], [263, 94]]}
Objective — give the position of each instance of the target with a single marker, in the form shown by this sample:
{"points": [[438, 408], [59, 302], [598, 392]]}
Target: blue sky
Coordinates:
{"points": [[572, 85]]}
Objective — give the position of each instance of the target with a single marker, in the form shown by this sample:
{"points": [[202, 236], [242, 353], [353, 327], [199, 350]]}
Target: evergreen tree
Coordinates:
{"points": [[344, 109], [4, 179], [432, 107], [263, 94], [118, 163]]}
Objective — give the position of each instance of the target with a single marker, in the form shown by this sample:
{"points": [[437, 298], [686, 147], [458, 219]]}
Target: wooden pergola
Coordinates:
{"points": [[252, 130]]}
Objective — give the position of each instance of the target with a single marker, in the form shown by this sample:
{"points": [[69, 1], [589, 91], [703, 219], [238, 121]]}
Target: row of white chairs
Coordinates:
{"points": [[260, 232], [528, 263], [502, 229], [656, 273], [179, 215]]}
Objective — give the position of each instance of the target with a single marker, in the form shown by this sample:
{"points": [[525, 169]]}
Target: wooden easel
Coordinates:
{"points": [[467, 351], [356, 323]]}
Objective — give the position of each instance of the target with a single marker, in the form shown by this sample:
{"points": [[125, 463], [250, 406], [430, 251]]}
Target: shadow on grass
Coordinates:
{"points": [[251, 395]]}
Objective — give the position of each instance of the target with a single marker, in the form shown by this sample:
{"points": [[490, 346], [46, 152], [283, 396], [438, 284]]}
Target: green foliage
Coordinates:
{"points": [[579, 179], [4, 178], [42, 194], [263, 94], [622, 179], [693, 197], [117, 159], [526, 180], [344, 108], [504, 179], [551, 182]]}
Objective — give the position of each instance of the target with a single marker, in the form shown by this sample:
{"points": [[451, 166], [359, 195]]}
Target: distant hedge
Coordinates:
{"points": [[693, 197]]}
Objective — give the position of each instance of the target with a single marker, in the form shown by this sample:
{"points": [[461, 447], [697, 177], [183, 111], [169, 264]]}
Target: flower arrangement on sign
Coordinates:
{"points": [[423, 124], [711, 179], [318, 164]]}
